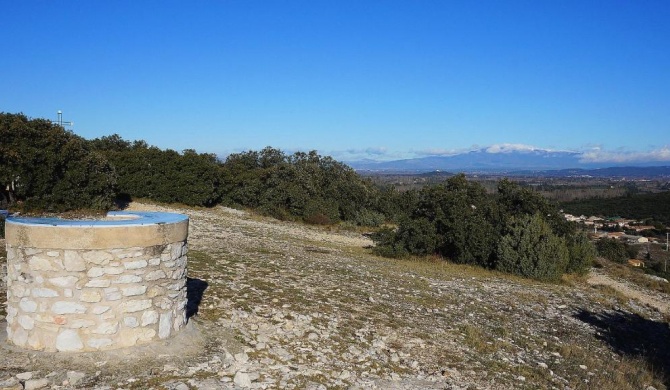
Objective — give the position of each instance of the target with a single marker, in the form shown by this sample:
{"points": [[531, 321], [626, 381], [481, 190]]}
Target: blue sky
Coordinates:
{"points": [[352, 79]]}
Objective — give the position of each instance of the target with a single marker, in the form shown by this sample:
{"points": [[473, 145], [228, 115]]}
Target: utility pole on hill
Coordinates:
{"points": [[60, 122]]}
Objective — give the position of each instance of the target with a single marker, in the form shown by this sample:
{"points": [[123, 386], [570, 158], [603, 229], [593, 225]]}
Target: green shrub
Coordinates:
{"points": [[612, 250], [582, 254], [369, 218], [529, 248], [50, 168]]}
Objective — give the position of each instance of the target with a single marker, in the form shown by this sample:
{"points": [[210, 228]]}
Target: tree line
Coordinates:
{"points": [[653, 207], [516, 230]]}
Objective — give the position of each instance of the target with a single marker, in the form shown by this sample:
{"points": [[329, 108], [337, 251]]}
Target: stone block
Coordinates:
{"points": [[133, 290], [27, 305], [73, 262], [149, 317], [131, 322], [165, 325], [113, 270], [134, 305], [95, 272], [67, 307], [106, 328], [98, 257], [26, 322], [155, 275], [136, 264], [37, 263], [69, 341], [90, 296], [43, 292], [126, 279], [64, 281], [100, 283]]}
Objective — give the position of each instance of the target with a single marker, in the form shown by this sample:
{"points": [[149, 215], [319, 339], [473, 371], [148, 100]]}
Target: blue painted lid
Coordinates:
{"points": [[115, 218]]}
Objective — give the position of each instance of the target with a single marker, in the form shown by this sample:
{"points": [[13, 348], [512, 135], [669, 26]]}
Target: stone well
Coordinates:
{"points": [[95, 285]]}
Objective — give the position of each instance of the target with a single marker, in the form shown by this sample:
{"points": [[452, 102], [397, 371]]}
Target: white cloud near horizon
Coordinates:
{"points": [[598, 155], [591, 154]]}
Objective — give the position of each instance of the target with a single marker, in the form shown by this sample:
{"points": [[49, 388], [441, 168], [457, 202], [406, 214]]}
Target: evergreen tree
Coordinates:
{"points": [[529, 248]]}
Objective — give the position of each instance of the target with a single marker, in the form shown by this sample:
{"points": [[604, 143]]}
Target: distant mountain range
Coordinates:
{"points": [[533, 161]]}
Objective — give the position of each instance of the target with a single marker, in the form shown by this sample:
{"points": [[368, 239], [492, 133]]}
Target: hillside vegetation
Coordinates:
{"points": [[655, 207], [45, 167]]}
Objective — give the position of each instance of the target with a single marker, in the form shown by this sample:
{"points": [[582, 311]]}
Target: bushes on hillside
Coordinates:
{"points": [[48, 168], [163, 175], [528, 247], [307, 186], [612, 250], [515, 231]]}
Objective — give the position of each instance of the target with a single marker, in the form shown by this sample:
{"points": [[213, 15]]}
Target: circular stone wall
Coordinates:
{"points": [[95, 285]]}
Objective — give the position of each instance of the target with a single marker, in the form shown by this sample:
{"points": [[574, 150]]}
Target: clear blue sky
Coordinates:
{"points": [[352, 79]]}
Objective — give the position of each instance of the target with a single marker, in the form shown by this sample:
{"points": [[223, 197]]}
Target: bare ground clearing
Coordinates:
{"points": [[292, 306]]}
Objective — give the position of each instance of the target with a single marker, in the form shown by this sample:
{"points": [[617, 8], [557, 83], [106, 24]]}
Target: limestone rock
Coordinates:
{"points": [[69, 341]]}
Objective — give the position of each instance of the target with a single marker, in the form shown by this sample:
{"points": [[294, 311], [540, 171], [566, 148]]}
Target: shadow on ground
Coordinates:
{"points": [[195, 288], [633, 336]]}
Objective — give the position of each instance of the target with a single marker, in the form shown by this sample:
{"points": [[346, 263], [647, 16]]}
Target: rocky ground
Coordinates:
{"points": [[283, 305]]}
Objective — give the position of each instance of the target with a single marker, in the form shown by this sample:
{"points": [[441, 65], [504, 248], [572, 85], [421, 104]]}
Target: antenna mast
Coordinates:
{"points": [[60, 121]]}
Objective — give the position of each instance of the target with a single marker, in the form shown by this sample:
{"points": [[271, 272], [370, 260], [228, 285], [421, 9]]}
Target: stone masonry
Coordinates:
{"points": [[93, 294]]}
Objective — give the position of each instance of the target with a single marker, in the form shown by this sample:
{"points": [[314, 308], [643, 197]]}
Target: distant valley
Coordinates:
{"points": [[537, 162]]}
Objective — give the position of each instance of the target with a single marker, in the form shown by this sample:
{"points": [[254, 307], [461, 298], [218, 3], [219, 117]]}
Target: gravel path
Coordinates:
{"points": [[657, 301]]}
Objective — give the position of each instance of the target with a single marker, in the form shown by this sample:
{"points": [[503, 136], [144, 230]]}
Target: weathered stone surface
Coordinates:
{"points": [[97, 310], [19, 290], [75, 377], [73, 262], [155, 275], [95, 272], [28, 305], [63, 281], [43, 292], [113, 270], [34, 384], [137, 264], [38, 263], [106, 328], [133, 290], [132, 306], [149, 317], [155, 291], [126, 279], [112, 294], [26, 322], [131, 322], [99, 283], [69, 341], [67, 307], [242, 379], [91, 296], [98, 257], [165, 325]]}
